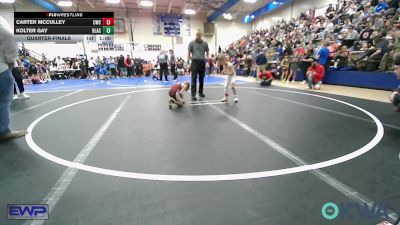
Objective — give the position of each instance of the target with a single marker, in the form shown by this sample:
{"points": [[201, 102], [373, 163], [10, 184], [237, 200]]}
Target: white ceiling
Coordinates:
{"points": [[203, 7]]}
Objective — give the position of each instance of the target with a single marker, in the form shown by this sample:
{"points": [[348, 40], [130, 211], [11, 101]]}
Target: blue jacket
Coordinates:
{"points": [[261, 59], [323, 56]]}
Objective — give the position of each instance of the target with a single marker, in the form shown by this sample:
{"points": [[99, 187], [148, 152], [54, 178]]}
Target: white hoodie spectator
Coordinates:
{"points": [[8, 46], [8, 55]]}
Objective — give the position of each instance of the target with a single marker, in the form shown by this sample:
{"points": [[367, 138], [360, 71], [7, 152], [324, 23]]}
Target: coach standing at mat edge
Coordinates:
{"points": [[8, 55], [198, 52]]}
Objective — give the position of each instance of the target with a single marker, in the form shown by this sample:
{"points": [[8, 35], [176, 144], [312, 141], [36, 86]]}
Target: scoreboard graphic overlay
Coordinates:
{"points": [[64, 26]]}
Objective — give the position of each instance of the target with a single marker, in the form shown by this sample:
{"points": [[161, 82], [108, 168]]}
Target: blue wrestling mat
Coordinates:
{"points": [[86, 84]]}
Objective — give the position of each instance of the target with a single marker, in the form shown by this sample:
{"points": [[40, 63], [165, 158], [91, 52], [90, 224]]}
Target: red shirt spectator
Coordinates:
{"points": [[318, 71], [128, 62], [265, 75]]}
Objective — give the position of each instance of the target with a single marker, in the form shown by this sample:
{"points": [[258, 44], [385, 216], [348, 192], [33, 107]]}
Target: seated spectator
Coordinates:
{"points": [[180, 67], [315, 74], [342, 57], [387, 63], [382, 6], [32, 69], [395, 96], [352, 34], [380, 49]]}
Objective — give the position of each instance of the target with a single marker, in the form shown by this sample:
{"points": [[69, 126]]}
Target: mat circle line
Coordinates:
{"points": [[197, 178]]}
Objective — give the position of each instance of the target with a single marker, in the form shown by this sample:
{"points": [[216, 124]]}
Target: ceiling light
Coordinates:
{"points": [[190, 11], [250, 1], [227, 16], [7, 1], [146, 3], [65, 3], [113, 1]]}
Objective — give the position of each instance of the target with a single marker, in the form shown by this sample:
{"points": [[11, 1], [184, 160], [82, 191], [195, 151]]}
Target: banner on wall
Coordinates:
{"points": [[171, 24], [152, 47]]}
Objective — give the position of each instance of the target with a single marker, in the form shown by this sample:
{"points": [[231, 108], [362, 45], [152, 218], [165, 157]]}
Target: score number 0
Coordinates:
{"points": [[108, 25], [108, 21]]}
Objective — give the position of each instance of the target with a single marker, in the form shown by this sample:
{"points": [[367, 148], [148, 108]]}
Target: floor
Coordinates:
{"points": [[112, 152]]}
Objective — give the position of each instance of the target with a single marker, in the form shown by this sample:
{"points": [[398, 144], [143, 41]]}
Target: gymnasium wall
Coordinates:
{"points": [[226, 33], [289, 11]]}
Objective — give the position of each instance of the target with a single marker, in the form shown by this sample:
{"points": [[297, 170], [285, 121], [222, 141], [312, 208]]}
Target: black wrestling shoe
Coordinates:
{"points": [[202, 96], [194, 98]]}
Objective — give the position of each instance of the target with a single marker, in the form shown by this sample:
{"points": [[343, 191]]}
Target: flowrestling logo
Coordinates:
{"points": [[27, 212], [354, 211]]}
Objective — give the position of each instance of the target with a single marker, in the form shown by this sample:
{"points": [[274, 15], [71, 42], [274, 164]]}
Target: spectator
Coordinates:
{"points": [[285, 68], [381, 6], [323, 55], [315, 74], [395, 96], [121, 66], [352, 34], [92, 64], [129, 65], [261, 61], [172, 64], [265, 78], [8, 55], [163, 62], [112, 66]]}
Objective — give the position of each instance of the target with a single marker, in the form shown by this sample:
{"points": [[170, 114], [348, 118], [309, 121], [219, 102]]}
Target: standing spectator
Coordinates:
{"points": [[261, 61], [294, 64], [91, 65], [121, 66], [306, 62], [129, 65], [172, 64], [323, 56], [8, 55], [285, 68], [248, 62], [112, 67], [197, 52], [211, 64], [60, 63], [163, 62], [17, 74]]}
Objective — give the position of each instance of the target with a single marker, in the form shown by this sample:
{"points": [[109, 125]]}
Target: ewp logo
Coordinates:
{"points": [[351, 211], [28, 212]]}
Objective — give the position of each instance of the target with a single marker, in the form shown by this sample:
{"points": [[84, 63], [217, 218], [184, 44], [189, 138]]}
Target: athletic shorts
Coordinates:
{"points": [[230, 80]]}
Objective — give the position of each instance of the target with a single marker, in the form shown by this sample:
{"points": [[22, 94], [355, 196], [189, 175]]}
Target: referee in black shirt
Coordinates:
{"points": [[198, 53]]}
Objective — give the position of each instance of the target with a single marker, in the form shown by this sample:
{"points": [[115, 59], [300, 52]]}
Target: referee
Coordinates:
{"points": [[198, 53]]}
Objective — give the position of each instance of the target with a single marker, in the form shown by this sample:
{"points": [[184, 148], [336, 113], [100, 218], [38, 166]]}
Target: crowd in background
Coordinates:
{"points": [[37, 72], [351, 35], [359, 35]]}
